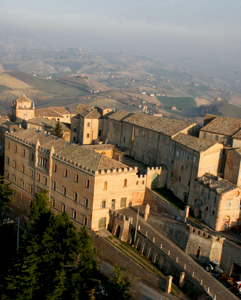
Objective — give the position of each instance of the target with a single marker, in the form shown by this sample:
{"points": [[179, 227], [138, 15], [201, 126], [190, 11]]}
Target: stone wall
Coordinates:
{"points": [[231, 255], [161, 205], [170, 266]]}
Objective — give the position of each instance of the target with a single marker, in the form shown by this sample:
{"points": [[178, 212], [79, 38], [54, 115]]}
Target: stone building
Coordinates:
{"points": [[48, 125], [58, 113], [190, 158], [23, 109], [217, 202], [79, 180]]}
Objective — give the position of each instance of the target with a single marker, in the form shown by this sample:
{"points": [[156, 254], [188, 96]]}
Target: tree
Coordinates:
{"points": [[54, 260], [5, 193], [58, 130], [120, 285]]}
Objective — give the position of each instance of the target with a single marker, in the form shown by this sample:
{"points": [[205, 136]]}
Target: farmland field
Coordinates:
{"points": [[179, 102]]}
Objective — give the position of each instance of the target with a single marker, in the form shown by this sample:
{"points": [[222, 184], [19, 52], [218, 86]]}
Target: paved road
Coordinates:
{"points": [[143, 292], [216, 288]]}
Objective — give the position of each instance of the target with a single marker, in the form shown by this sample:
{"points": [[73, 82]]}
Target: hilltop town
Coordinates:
{"points": [[109, 161]]}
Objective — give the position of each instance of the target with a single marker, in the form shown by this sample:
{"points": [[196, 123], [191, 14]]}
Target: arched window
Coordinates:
{"points": [[87, 183], [125, 182], [105, 185], [137, 182]]}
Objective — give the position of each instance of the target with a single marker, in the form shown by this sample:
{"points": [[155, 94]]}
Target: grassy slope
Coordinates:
{"points": [[11, 82], [179, 102]]}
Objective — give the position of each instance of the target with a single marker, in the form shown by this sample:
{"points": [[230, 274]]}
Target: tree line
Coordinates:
{"points": [[56, 261]]}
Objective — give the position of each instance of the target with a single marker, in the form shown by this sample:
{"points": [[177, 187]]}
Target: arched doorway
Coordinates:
{"points": [[118, 231], [226, 222], [197, 254]]}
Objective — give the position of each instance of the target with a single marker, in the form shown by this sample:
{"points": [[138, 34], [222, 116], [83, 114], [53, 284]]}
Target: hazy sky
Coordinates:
{"points": [[204, 29]]}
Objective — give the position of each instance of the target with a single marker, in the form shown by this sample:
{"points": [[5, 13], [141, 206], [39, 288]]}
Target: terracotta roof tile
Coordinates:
{"points": [[163, 125], [223, 125], [218, 185], [193, 142]]}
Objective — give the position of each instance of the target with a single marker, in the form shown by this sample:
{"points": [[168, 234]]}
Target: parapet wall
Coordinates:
{"points": [[161, 205]]}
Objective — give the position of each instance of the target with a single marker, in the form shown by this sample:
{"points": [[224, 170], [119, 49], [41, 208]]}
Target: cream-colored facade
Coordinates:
{"points": [[79, 180], [217, 202], [23, 109]]}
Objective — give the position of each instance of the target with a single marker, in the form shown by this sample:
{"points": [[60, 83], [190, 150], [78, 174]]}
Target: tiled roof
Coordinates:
{"points": [[46, 112], [93, 114], [163, 125], [193, 142], [60, 110], [81, 108], [223, 125], [46, 123], [218, 185], [23, 98], [119, 115], [237, 135], [79, 154], [4, 124]]}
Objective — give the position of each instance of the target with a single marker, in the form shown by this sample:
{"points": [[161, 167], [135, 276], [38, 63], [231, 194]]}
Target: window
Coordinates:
{"points": [[172, 174], [188, 183], [216, 137], [215, 199], [38, 176], [99, 133], [31, 173], [85, 220], [8, 145], [6, 175], [22, 168], [123, 202], [32, 156], [204, 135], [74, 214], [22, 184], [213, 212], [180, 179], [103, 204], [75, 129], [53, 201], [229, 204], [14, 164], [76, 178], [137, 182], [143, 182], [14, 178], [75, 196], [182, 168], [62, 207], [65, 173], [88, 124], [45, 181], [30, 189], [105, 185], [177, 152], [87, 183], [206, 207], [124, 139], [88, 135], [54, 168], [125, 182], [15, 148], [64, 190], [7, 160], [23, 152], [194, 158], [54, 185], [86, 202]]}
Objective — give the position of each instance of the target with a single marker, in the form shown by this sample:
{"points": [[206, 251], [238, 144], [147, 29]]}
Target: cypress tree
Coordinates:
{"points": [[58, 130]]}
